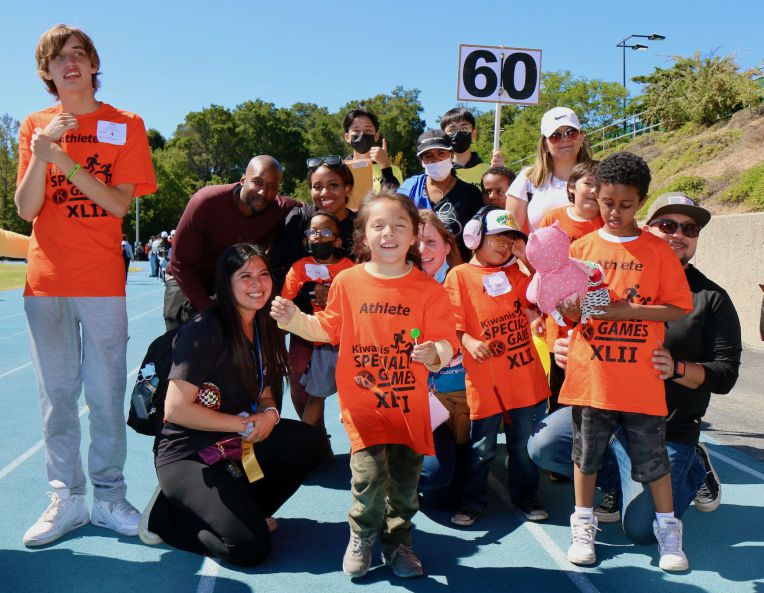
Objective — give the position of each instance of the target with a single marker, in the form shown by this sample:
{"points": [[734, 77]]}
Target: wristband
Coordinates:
{"points": [[73, 171], [677, 373], [278, 416]]}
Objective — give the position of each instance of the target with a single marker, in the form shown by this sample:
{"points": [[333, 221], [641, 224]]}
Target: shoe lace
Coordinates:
{"points": [[54, 508], [609, 501], [670, 538], [704, 491], [583, 533], [360, 543], [121, 508]]}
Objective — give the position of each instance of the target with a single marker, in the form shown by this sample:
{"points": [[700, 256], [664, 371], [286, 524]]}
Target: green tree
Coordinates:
{"points": [[696, 89], [156, 140], [596, 103], [9, 165]]}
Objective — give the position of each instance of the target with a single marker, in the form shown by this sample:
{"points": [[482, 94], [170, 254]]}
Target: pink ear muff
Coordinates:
{"points": [[472, 233]]}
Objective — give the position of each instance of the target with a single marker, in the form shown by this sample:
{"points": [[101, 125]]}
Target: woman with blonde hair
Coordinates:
{"points": [[543, 185]]}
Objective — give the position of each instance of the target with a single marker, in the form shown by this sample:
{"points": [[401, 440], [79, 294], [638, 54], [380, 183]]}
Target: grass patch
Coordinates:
{"points": [[749, 190], [12, 276]]}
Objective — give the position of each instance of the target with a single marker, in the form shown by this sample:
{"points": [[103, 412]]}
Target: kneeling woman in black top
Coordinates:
{"points": [[227, 360]]}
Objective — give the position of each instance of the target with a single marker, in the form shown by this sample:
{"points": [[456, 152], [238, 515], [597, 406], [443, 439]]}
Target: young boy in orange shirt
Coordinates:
{"points": [[321, 267], [81, 162], [505, 380], [610, 381]]}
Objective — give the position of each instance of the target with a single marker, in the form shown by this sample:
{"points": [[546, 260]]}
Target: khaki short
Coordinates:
{"points": [[459, 414]]}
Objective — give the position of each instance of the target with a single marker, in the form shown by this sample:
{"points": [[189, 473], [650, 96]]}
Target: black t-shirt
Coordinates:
{"points": [[201, 356], [456, 209], [708, 335]]}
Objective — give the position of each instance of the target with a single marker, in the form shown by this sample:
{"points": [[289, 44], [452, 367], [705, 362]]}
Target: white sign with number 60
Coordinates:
{"points": [[499, 74]]}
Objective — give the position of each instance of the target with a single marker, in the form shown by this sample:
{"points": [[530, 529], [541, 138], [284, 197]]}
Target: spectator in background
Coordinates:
{"points": [[543, 185], [459, 124], [127, 254], [156, 242]]}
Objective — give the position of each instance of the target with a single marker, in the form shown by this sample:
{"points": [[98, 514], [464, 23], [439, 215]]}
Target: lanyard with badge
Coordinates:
{"points": [[249, 461]]}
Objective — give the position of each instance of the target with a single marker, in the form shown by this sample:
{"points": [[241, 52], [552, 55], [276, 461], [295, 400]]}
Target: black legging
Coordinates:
{"points": [[202, 509]]}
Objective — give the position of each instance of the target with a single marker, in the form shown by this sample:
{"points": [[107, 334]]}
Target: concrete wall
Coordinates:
{"points": [[731, 253]]}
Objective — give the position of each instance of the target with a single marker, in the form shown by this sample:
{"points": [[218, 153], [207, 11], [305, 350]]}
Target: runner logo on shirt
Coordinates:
{"points": [[384, 371], [77, 204]]}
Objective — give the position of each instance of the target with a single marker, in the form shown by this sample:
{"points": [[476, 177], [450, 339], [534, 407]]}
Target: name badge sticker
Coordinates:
{"points": [[496, 284], [317, 271], [111, 132]]}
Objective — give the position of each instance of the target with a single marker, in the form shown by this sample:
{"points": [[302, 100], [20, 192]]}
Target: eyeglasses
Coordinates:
{"points": [[453, 131], [668, 226], [332, 160], [503, 239], [569, 134], [323, 233]]}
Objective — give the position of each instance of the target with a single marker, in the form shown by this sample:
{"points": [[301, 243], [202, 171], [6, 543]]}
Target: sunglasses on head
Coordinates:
{"points": [[569, 134], [669, 227], [332, 160]]}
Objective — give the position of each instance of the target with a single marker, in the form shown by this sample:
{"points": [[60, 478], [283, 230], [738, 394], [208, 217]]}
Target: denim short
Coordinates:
{"points": [[645, 437]]}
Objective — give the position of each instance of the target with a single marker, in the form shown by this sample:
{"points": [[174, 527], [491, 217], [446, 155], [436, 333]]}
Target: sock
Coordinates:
{"points": [[659, 516], [587, 511]]}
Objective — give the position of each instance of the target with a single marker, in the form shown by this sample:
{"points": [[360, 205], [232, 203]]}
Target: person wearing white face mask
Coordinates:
{"points": [[438, 189]]}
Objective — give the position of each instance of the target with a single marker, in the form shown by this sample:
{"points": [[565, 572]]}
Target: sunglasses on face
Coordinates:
{"points": [[669, 227], [322, 233], [332, 160], [569, 134]]}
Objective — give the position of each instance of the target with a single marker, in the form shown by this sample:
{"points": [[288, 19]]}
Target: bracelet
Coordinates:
{"points": [[73, 171], [278, 416]]}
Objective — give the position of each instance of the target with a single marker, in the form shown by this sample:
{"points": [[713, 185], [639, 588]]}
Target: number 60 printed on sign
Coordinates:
{"points": [[499, 74]]}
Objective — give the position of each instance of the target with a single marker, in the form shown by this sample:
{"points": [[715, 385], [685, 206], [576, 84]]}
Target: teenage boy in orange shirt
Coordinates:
{"points": [[610, 379], [81, 162]]}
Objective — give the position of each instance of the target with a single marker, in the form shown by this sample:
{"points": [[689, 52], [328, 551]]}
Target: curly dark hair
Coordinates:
{"points": [[625, 168]]}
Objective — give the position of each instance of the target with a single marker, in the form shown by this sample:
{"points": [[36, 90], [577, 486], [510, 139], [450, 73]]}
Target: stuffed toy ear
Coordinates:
{"points": [[472, 235]]}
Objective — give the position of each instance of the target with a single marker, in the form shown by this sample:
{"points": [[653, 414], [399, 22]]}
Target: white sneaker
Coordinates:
{"points": [[147, 536], [65, 513], [584, 530], [668, 532], [117, 515]]}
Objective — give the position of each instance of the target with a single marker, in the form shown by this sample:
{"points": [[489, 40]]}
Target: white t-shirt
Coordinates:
{"points": [[553, 194]]}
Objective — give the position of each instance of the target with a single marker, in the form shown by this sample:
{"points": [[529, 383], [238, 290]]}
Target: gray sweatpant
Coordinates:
{"points": [[78, 341]]}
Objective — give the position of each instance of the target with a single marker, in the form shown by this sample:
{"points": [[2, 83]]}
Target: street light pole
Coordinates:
{"points": [[636, 47]]}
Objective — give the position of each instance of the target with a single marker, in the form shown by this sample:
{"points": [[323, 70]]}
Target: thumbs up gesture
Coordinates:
{"points": [[378, 154]]}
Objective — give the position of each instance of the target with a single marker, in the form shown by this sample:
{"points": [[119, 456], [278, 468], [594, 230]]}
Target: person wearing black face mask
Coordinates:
{"points": [[326, 260], [362, 133], [459, 124]]}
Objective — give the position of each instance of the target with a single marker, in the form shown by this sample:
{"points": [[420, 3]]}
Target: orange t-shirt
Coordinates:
{"points": [[609, 363], [75, 249], [501, 322], [307, 270], [575, 229], [383, 396]]}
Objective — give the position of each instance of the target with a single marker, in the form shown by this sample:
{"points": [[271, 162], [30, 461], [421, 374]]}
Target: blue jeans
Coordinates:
{"points": [[551, 445], [438, 470], [523, 475]]}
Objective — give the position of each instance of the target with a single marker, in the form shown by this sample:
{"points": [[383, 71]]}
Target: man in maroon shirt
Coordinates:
{"points": [[215, 218]]}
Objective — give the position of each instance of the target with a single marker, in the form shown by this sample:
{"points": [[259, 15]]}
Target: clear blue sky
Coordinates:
{"points": [[163, 59]]}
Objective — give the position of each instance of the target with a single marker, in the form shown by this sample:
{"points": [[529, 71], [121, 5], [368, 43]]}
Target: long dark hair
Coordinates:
{"points": [[273, 348], [361, 252]]}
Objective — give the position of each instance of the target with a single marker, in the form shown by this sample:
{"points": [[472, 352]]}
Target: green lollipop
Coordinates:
{"points": [[415, 333]]}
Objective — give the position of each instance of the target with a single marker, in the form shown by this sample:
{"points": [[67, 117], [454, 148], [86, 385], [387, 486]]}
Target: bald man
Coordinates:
{"points": [[215, 218]]}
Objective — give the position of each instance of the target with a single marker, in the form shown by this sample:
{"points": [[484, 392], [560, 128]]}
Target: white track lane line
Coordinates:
{"points": [[40, 444], [210, 570], [742, 467], [23, 366], [573, 572]]}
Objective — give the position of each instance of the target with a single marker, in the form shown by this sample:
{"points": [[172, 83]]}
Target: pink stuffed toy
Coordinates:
{"points": [[558, 278]]}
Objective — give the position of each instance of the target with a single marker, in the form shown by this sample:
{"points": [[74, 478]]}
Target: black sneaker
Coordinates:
{"points": [[609, 508], [531, 508], [709, 495], [465, 516]]}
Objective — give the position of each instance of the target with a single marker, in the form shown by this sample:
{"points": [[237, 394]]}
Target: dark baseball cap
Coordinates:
{"points": [[432, 139], [677, 202]]}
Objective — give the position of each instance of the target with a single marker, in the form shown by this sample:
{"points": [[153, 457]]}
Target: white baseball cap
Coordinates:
{"points": [[501, 221], [557, 117], [163, 234]]}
